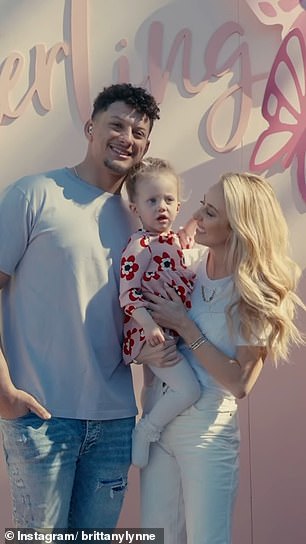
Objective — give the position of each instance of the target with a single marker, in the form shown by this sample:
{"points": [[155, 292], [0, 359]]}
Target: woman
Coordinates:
{"points": [[243, 307]]}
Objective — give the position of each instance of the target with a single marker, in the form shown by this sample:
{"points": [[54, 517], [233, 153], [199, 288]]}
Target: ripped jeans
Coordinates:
{"points": [[67, 473]]}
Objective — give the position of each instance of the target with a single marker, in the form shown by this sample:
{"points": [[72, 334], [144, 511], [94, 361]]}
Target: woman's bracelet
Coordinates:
{"points": [[197, 343]]}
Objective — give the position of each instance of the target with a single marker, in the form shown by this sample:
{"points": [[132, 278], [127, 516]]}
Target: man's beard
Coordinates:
{"points": [[115, 167]]}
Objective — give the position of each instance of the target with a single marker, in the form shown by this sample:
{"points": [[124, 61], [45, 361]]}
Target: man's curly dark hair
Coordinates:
{"points": [[138, 97]]}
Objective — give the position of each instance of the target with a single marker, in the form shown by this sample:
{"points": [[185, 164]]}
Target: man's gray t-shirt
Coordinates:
{"points": [[61, 241]]}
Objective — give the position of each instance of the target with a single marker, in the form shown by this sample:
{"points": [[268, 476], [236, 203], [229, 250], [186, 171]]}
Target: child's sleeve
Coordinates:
{"points": [[134, 263]]}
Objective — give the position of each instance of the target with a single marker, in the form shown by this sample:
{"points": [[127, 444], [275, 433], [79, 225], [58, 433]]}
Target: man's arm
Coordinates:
{"points": [[15, 402]]}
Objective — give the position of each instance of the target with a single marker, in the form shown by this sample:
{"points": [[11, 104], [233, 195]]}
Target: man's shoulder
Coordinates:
{"points": [[40, 178], [31, 181], [32, 184]]}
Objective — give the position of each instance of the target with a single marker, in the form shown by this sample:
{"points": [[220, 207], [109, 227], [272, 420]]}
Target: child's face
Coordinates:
{"points": [[156, 201]]}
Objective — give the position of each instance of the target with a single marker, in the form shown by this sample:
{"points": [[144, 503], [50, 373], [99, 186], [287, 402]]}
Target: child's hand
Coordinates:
{"points": [[154, 335]]}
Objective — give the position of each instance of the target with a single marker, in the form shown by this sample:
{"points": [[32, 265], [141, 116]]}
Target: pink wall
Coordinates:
{"points": [[218, 69], [272, 495]]}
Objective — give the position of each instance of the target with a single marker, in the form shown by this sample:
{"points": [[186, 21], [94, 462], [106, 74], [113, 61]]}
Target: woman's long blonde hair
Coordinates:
{"points": [[258, 253]]}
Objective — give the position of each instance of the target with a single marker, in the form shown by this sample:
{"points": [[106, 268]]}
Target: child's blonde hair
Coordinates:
{"points": [[149, 166]]}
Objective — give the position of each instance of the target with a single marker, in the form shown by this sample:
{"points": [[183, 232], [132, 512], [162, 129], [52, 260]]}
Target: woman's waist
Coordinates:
{"points": [[212, 398], [216, 400], [205, 379]]}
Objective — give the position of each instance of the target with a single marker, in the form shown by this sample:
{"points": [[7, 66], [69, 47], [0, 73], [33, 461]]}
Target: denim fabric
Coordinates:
{"points": [[67, 473]]}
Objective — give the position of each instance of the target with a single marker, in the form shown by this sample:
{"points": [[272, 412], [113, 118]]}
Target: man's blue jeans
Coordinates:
{"points": [[67, 473]]}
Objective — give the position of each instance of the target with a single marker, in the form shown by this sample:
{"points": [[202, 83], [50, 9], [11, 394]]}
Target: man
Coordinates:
{"points": [[66, 400]]}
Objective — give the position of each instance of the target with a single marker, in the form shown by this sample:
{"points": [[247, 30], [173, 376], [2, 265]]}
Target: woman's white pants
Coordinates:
{"points": [[190, 484]]}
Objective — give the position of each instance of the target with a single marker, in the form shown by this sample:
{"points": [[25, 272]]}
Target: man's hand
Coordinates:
{"points": [[17, 403], [161, 355]]}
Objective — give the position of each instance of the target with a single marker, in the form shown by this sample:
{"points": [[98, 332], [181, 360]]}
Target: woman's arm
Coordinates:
{"points": [[237, 375]]}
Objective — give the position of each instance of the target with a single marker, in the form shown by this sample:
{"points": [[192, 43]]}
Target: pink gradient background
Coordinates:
{"points": [[209, 124]]}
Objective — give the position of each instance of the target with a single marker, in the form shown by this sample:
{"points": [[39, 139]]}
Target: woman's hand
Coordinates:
{"points": [[170, 314], [161, 355]]}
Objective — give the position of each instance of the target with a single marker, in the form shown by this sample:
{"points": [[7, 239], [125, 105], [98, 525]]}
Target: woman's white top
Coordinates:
{"points": [[210, 299]]}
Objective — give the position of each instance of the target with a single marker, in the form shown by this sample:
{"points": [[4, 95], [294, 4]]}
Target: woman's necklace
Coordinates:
{"points": [[76, 172], [207, 298]]}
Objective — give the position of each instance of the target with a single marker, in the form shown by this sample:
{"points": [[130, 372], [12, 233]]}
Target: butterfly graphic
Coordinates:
{"points": [[284, 108], [277, 12]]}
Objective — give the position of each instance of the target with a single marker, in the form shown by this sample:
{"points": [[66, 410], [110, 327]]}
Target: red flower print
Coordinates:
{"points": [[135, 294], [180, 290], [129, 309], [166, 238], [129, 342], [182, 258], [188, 282], [128, 267], [165, 262], [144, 241], [151, 275]]}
